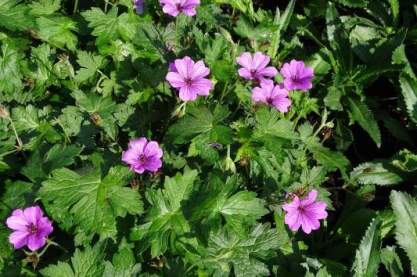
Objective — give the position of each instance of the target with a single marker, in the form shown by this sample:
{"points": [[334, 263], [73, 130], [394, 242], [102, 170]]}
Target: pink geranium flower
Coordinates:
{"points": [[305, 213], [189, 78], [272, 95], [30, 228], [297, 76], [175, 7], [143, 155], [255, 67], [138, 5]]}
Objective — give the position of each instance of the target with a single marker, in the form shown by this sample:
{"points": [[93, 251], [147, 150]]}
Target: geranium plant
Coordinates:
{"points": [[208, 138]]}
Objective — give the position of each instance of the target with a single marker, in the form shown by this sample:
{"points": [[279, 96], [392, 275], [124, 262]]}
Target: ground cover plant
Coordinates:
{"points": [[208, 138]]}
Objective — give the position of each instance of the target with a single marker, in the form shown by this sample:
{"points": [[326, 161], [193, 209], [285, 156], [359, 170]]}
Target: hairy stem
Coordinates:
{"points": [[75, 7]]}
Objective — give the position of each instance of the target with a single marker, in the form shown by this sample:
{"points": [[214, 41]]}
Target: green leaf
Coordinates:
{"points": [[70, 120], [222, 70], [392, 261], [354, 3], [131, 271], [11, 76], [16, 194], [270, 124], [375, 173], [26, 118], [333, 97], [409, 92], [338, 37], [405, 209], [218, 197], [123, 263], [165, 220], [88, 262], [45, 7], [395, 9], [42, 73], [90, 203], [100, 109], [105, 25], [408, 82], [41, 164], [245, 29], [245, 254], [244, 203], [58, 31], [198, 120], [282, 22], [367, 256], [15, 16], [60, 156], [90, 64], [330, 159], [360, 113]]}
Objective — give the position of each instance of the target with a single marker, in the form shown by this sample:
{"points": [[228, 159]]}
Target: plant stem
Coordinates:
{"points": [[106, 5], [19, 141], [75, 7]]}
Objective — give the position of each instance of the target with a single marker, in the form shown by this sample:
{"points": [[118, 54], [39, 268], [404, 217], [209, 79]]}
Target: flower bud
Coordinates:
{"points": [[4, 113]]}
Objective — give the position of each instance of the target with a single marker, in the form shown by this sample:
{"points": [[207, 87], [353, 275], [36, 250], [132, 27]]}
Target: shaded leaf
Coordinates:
{"points": [[367, 256], [375, 173], [405, 209], [360, 113]]}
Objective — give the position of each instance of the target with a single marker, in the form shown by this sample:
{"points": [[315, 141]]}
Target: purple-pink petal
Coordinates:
{"points": [[30, 228], [244, 73], [255, 67], [175, 7], [311, 198], [199, 70], [260, 61], [17, 223], [35, 242], [175, 79], [258, 95], [153, 149], [18, 239], [269, 71], [143, 155], [187, 94], [189, 79], [245, 60], [305, 213], [138, 5], [172, 67], [153, 164], [282, 104], [297, 76], [33, 214], [189, 11], [202, 86], [272, 95], [138, 144]]}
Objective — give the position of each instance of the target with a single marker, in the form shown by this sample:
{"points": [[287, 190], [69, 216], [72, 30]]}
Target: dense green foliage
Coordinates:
{"points": [[79, 79]]}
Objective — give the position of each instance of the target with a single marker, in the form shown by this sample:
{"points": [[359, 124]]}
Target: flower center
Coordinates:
{"points": [[31, 228], [179, 7], [143, 159], [269, 101], [188, 81], [295, 78]]}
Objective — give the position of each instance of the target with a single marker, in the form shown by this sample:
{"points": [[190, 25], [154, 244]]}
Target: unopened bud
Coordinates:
{"points": [[330, 125], [4, 113]]}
